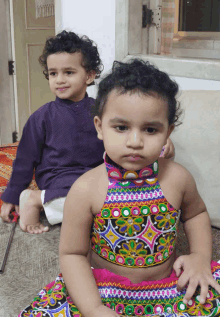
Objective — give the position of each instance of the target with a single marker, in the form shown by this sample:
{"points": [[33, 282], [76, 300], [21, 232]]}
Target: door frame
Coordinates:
{"points": [[9, 122], [14, 78], [130, 37]]}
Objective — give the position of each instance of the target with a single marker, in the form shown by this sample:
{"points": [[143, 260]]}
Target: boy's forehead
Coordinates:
{"points": [[65, 59]]}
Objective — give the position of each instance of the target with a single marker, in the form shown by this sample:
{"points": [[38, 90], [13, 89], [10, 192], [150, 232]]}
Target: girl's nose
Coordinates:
{"points": [[135, 140]]}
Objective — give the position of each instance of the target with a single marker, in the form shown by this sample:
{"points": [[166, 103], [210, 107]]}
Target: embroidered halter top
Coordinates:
{"points": [[136, 227]]}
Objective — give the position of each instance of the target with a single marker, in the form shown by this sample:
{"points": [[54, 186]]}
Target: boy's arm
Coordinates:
{"points": [[28, 155], [74, 248], [196, 266]]}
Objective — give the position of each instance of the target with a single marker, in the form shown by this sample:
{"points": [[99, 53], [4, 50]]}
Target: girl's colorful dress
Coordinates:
{"points": [[137, 227]]}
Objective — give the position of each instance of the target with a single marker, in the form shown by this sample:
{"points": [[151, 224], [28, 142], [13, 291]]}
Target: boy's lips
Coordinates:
{"points": [[62, 88]]}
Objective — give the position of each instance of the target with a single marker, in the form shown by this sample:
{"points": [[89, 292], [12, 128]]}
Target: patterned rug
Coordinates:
{"points": [[7, 156]]}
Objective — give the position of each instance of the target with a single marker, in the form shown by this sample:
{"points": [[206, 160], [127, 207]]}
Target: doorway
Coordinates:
{"points": [[27, 89]]}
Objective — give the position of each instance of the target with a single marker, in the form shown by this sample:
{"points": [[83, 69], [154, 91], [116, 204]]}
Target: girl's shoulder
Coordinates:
{"points": [[175, 172], [91, 179], [90, 189], [168, 165]]}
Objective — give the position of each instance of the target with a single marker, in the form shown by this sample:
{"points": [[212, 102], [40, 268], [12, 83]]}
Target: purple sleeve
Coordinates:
{"points": [[28, 156]]}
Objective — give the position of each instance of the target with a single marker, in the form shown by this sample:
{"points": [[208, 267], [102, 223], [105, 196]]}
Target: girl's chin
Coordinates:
{"points": [[133, 165]]}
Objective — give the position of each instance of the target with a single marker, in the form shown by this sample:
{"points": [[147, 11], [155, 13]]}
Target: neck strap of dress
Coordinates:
{"points": [[118, 173]]}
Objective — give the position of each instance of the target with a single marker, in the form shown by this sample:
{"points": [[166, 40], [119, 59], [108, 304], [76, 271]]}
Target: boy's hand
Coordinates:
{"points": [[6, 209], [102, 311], [169, 150], [196, 271]]}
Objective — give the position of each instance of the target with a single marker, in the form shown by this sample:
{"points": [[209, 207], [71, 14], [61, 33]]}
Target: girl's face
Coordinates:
{"points": [[134, 128]]}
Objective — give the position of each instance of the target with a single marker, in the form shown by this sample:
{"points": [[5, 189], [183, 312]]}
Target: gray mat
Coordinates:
{"points": [[33, 262]]}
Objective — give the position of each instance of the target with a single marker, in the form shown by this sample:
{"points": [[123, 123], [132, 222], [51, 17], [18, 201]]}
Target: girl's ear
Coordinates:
{"points": [[98, 126], [90, 77]]}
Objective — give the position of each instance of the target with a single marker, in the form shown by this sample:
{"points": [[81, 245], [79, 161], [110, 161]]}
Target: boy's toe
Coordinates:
{"points": [[32, 229], [43, 228]]}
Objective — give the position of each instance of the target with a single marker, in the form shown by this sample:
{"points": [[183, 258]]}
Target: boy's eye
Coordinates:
{"points": [[121, 128]]}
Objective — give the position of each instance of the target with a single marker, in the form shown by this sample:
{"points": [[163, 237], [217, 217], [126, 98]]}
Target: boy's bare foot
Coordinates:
{"points": [[35, 228], [30, 207]]}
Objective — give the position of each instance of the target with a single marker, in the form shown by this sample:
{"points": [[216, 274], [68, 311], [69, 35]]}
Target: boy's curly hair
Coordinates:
{"points": [[138, 76], [70, 42]]}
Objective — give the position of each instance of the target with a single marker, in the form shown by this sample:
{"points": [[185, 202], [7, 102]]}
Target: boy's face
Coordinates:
{"points": [[134, 128], [68, 79]]}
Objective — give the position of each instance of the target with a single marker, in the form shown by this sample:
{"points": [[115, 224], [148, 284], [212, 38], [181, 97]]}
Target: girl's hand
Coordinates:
{"points": [[169, 150], [196, 271], [102, 311]]}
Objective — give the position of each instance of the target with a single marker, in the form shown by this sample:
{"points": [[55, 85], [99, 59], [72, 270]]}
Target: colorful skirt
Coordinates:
{"points": [[148, 298]]}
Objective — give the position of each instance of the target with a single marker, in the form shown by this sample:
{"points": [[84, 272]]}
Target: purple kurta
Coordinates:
{"points": [[60, 142]]}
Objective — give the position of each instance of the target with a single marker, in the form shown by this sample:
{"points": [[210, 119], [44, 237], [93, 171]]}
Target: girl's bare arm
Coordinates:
{"points": [[197, 224], [196, 266], [74, 248]]}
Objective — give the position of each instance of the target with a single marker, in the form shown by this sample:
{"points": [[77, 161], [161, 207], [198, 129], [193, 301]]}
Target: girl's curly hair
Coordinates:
{"points": [[70, 42], [138, 76]]}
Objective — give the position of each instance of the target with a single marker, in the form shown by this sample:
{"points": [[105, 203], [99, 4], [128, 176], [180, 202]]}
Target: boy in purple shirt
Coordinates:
{"points": [[59, 140]]}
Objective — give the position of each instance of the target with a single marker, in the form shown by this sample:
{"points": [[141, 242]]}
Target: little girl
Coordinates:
{"points": [[129, 209]]}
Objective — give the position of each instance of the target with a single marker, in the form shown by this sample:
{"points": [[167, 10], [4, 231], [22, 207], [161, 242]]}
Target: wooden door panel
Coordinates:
{"points": [[32, 22], [30, 35], [38, 94]]}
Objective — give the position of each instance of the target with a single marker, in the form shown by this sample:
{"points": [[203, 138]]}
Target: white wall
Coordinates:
{"points": [[96, 19], [197, 144], [197, 84]]}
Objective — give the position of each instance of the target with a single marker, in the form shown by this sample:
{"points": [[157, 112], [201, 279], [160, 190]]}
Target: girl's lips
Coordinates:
{"points": [[134, 158]]}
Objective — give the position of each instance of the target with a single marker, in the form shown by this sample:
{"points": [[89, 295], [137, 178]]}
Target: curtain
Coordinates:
{"points": [[167, 26], [44, 8]]}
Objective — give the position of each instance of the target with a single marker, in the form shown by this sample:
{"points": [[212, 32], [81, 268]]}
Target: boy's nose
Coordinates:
{"points": [[135, 140], [60, 78]]}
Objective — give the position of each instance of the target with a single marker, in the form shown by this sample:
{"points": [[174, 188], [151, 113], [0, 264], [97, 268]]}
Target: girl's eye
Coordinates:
{"points": [[69, 72], [52, 74], [121, 128], [150, 130]]}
